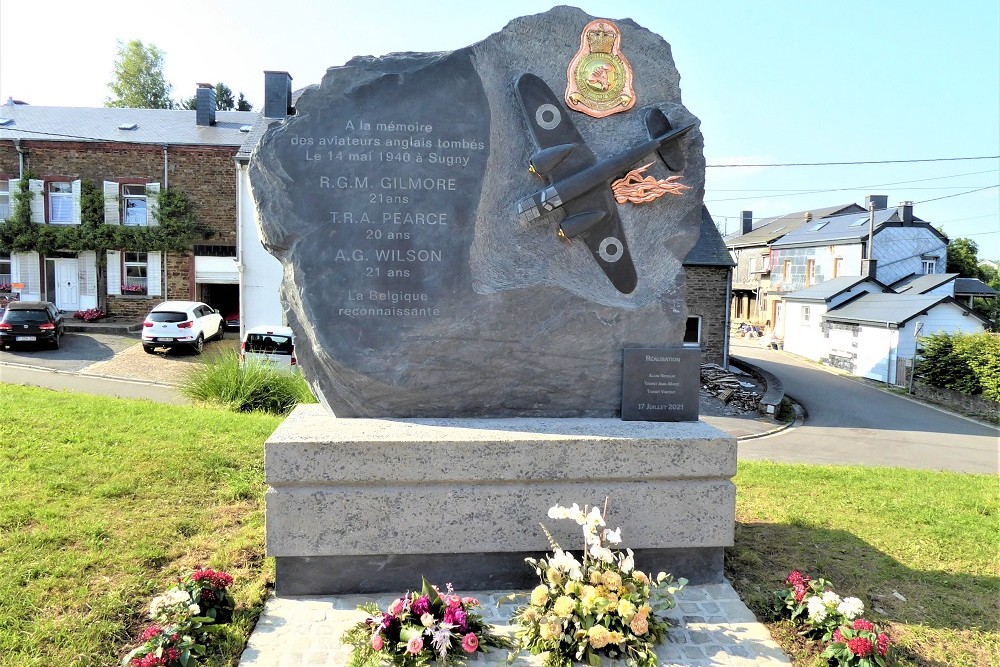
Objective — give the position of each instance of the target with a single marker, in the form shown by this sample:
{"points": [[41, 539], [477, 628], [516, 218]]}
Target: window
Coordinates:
{"points": [[60, 203], [5, 272], [805, 315], [4, 200], [927, 266], [692, 332], [134, 202], [786, 270], [810, 272], [819, 227], [134, 277], [838, 266]]}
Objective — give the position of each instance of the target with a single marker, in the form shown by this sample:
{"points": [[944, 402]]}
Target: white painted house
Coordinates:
{"points": [[861, 326]]}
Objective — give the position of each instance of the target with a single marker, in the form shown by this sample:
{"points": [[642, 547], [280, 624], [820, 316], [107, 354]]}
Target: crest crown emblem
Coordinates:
{"points": [[599, 78], [601, 40]]}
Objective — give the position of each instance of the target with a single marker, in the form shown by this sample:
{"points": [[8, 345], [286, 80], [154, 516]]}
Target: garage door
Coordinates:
{"points": [[216, 270]]}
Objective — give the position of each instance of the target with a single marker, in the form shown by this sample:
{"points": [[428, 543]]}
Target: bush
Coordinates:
{"points": [[969, 363], [247, 386]]}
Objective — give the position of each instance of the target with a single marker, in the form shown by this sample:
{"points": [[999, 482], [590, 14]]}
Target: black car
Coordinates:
{"points": [[30, 323]]}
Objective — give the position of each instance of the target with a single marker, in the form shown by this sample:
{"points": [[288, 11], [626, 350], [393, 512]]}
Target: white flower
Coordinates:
{"points": [[557, 512], [602, 553], [441, 638], [565, 562], [816, 608], [830, 598], [851, 608], [628, 563], [595, 518], [613, 536], [194, 609]]}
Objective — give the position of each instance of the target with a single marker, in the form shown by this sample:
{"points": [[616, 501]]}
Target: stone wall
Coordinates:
{"points": [[706, 296], [957, 401]]}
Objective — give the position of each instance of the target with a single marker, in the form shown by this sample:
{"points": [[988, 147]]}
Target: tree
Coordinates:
{"points": [[223, 100], [138, 80], [962, 258]]}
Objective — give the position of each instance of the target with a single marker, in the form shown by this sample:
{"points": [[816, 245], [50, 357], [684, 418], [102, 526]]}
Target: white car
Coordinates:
{"points": [[273, 345], [181, 324]]}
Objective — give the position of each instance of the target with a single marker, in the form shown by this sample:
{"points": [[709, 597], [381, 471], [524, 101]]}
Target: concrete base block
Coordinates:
{"points": [[368, 505]]}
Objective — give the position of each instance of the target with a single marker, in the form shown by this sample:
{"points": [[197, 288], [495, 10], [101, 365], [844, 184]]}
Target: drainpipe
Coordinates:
{"points": [[913, 363], [725, 326], [20, 158], [888, 354], [166, 184]]}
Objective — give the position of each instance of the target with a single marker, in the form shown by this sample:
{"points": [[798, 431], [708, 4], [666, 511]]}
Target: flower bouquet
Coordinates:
{"points": [[860, 644], [210, 590], [814, 604], [420, 628], [602, 607], [173, 640]]}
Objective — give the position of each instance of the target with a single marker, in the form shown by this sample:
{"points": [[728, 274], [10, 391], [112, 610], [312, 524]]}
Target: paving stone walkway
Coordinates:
{"points": [[713, 628]]}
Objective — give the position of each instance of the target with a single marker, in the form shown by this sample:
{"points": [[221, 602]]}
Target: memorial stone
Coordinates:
{"points": [[416, 289]]}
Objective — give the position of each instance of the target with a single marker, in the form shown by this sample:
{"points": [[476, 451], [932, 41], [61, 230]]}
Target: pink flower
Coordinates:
{"points": [[149, 633], [860, 646], [470, 642], [838, 636], [415, 645], [453, 601], [800, 592], [396, 608], [862, 624], [796, 578], [377, 642], [882, 643], [472, 601]]}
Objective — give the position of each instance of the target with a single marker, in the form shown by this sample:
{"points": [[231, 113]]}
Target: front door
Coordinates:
{"points": [[67, 284]]}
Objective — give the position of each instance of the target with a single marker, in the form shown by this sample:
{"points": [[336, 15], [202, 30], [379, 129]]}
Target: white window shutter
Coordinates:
{"points": [[111, 214], [152, 203], [29, 274], [114, 272], [153, 274], [37, 189], [88, 273], [76, 187]]}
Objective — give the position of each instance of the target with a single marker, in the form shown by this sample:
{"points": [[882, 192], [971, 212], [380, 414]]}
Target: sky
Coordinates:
{"points": [[773, 82]]}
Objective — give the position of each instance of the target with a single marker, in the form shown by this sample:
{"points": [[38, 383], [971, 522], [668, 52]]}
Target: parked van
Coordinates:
{"points": [[273, 345]]}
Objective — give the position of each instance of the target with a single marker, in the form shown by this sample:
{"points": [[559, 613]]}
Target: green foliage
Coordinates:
{"points": [[969, 363], [247, 386], [223, 100], [138, 80], [962, 258], [178, 226]]}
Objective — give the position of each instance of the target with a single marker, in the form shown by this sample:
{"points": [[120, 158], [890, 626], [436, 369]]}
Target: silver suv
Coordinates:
{"points": [[181, 324]]}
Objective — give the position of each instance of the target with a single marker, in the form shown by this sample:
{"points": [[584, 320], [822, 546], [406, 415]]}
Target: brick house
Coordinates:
{"points": [[708, 276], [131, 155]]}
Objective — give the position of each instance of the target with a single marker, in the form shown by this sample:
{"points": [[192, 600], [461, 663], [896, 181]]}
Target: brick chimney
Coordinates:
{"points": [[905, 212], [277, 95], [881, 202], [746, 220], [205, 105]]}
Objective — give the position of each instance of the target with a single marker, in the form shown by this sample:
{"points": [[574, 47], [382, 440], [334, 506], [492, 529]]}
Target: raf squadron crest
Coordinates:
{"points": [[599, 78]]}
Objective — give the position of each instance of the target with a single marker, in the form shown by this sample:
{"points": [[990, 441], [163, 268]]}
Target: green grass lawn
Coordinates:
{"points": [[104, 502]]}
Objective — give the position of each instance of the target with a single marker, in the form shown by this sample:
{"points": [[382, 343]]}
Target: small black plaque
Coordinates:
{"points": [[660, 384]]}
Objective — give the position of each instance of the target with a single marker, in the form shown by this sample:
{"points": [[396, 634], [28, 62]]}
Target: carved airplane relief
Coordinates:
{"points": [[579, 183]]}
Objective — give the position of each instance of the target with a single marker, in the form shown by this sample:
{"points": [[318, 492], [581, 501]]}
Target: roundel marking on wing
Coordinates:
{"points": [[548, 116]]}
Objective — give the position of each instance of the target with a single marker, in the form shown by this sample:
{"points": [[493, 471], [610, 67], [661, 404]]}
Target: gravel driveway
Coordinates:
{"points": [[170, 367]]}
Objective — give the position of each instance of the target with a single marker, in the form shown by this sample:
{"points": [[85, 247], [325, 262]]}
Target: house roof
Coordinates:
{"points": [[710, 249], [152, 126], [828, 289], [850, 227], [771, 229], [921, 284], [890, 308], [973, 287], [253, 136]]}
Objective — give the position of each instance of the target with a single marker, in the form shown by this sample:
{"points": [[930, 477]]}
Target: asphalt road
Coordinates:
{"points": [[76, 352], [852, 423], [62, 381]]}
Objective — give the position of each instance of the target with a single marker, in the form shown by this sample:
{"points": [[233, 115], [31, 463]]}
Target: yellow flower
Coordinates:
{"points": [[530, 614], [612, 600], [574, 588], [554, 576], [615, 637], [644, 610], [596, 577], [639, 625], [626, 610], [612, 580], [640, 577], [549, 631], [564, 606], [599, 636], [540, 595]]}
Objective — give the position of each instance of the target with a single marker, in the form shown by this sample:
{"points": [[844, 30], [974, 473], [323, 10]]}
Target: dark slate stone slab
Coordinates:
{"points": [[661, 384], [389, 198], [340, 575]]}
